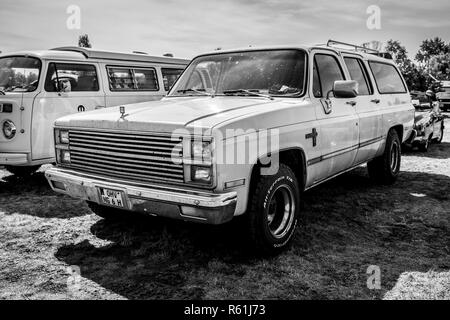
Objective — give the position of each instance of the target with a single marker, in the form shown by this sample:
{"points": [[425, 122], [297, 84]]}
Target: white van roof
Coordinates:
{"points": [[77, 53]]}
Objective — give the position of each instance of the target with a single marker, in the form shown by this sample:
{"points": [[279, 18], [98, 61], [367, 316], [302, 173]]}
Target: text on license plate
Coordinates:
{"points": [[111, 197]]}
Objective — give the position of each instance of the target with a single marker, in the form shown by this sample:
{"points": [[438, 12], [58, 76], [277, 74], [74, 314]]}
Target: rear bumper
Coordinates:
{"points": [[185, 204], [16, 159]]}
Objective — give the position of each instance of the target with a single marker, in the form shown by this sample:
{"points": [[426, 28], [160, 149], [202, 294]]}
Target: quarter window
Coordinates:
{"points": [[326, 72], [359, 74], [387, 77], [170, 76], [132, 79], [67, 77]]}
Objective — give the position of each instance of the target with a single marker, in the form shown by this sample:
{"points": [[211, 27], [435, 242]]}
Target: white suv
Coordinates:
{"points": [[241, 132]]}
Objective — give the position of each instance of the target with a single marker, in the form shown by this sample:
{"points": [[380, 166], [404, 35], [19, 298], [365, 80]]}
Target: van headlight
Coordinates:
{"points": [[9, 129], [201, 150]]}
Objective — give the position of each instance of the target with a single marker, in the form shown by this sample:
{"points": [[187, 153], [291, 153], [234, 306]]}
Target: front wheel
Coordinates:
{"points": [[274, 210], [385, 168], [22, 171]]}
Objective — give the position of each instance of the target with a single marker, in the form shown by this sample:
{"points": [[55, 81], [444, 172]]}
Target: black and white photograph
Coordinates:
{"points": [[224, 156]]}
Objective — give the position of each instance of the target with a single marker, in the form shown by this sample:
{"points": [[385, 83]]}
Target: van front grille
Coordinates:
{"points": [[139, 157]]}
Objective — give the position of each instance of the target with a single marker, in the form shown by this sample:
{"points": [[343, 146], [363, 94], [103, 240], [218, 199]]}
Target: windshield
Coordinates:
{"points": [[274, 73], [19, 74]]}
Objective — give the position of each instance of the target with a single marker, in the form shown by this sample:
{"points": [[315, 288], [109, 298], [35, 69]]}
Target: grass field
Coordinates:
{"points": [[52, 247]]}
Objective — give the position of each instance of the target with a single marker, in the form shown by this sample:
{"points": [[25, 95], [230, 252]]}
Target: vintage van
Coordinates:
{"points": [[37, 87]]}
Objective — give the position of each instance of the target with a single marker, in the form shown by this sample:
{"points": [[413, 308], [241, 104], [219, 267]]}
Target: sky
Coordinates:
{"points": [[188, 28]]}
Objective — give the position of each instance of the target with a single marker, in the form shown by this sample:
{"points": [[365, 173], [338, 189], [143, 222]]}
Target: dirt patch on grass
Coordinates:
{"points": [[52, 247]]}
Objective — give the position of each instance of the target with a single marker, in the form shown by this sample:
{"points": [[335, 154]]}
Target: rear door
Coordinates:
{"points": [[337, 135], [69, 87], [367, 108]]}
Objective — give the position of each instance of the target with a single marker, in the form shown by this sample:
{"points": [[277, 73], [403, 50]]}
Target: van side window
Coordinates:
{"points": [[132, 79], [170, 76], [68, 77], [358, 73], [387, 78], [328, 71]]}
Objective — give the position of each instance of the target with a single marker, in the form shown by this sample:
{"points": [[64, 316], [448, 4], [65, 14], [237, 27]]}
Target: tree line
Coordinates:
{"points": [[432, 60]]}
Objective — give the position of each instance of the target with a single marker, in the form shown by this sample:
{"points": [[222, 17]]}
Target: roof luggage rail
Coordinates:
{"points": [[386, 55]]}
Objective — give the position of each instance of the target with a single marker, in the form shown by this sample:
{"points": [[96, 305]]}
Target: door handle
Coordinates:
{"points": [[352, 103], [375, 101], [99, 107]]}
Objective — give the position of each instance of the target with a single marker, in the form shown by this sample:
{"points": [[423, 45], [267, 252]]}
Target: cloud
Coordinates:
{"points": [[189, 27]]}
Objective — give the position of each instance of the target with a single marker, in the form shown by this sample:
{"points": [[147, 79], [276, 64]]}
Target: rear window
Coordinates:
{"points": [[387, 78], [132, 79]]}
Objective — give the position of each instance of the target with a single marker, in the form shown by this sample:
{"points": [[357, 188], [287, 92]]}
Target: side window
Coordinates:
{"points": [[328, 71], [387, 77], [146, 79], [358, 73], [170, 76], [67, 77], [132, 79]]}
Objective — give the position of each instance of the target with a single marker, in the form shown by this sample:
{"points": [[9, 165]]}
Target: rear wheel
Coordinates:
{"points": [[441, 135], [22, 171], [274, 211], [424, 145], [385, 168]]}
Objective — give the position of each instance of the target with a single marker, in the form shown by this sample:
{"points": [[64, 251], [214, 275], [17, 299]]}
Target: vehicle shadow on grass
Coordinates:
{"points": [[435, 151], [32, 195], [346, 225]]}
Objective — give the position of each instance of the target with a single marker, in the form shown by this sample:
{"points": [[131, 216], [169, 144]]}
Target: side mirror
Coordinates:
{"points": [[345, 89]]}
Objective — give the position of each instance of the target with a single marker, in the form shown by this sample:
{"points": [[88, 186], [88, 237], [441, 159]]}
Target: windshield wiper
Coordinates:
{"points": [[196, 91], [2, 93], [249, 92]]}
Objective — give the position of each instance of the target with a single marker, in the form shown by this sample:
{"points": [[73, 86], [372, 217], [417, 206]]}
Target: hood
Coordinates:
{"points": [[166, 115]]}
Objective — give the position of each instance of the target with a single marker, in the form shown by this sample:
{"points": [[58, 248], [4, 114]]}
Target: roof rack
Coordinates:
{"points": [[109, 55], [386, 55]]}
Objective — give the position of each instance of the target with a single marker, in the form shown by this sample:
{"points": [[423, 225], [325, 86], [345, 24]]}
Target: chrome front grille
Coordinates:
{"points": [[138, 157]]}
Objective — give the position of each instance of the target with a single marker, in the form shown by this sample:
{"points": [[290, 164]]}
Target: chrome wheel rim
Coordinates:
{"points": [[395, 152], [280, 213]]}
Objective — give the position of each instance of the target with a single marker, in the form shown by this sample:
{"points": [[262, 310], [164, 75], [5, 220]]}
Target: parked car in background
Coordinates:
{"points": [[444, 96], [428, 121], [37, 87], [298, 115]]}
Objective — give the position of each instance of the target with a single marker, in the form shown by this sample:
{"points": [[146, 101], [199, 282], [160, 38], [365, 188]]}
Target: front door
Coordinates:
{"points": [[69, 88], [337, 134]]}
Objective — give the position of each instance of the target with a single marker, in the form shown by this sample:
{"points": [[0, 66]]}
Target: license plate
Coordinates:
{"points": [[112, 197]]}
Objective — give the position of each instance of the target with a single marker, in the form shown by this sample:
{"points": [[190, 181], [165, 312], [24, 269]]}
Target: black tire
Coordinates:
{"points": [[424, 145], [385, 168], [106, 212], [22, 171], [439, 140], [274, 211]]}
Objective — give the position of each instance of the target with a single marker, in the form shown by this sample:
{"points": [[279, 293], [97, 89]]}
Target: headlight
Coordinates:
{"points": [[9, 129], [201, 150], [63, 156], [201, 174], [62, 136]]}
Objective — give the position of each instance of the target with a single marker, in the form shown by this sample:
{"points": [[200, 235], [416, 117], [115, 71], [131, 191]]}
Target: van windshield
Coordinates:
{"points": [[19, 74], [271, 72]]}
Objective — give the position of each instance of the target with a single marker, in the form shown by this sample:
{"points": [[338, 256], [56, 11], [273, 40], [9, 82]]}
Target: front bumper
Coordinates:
{"points": [[13, 159], [178, 203]]}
